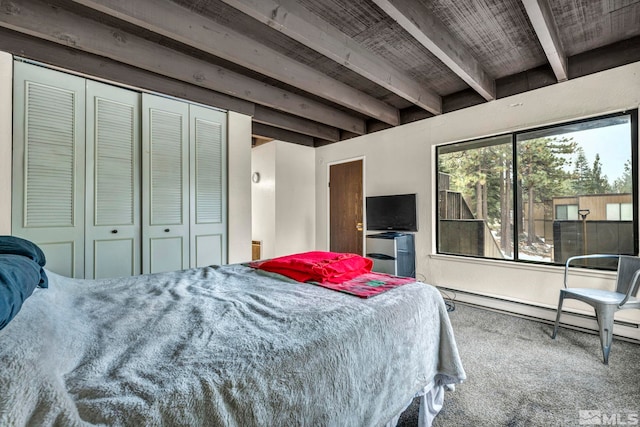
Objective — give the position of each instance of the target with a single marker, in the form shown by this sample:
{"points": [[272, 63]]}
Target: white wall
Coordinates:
{"points": [[284, 200], [263, 198], [295, 198], [401, 160], [6, 73]]}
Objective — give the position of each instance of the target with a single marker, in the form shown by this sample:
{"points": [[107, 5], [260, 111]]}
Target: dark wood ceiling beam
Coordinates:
{"points": [[280, 120], [121, 74], [545, 27], [298, 23], [413, 114], [605, 57], [110, 71], [60, 26], [197, 31], [264, 131], [534, 78], [432, 34]]}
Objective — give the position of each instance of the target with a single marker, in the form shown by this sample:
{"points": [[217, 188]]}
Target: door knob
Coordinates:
{"points": [[166, 230], [114, 231], [359, 226]]}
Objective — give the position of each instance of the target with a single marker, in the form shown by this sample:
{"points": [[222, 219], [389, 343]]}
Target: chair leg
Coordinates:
{"points": [[555, 327], [604, 315]]}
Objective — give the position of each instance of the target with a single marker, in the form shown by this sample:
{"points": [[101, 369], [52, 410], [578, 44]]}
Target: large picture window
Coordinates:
{"points": [[541, 195]]}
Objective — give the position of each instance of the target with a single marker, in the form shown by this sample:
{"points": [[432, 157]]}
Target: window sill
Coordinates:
{"points": [[507, 264]]}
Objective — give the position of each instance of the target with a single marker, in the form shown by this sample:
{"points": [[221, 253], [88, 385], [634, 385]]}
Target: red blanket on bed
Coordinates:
{"points": [[318, 266]]}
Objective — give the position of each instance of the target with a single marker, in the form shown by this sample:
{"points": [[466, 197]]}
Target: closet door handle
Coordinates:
{"points": [[114, 231], [166, 230]]}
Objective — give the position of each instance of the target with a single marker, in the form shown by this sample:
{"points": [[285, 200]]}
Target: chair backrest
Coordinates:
{"points": [[627, 266]]}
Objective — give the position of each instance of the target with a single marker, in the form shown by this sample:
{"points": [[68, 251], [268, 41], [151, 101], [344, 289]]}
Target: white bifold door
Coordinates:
{"points": [[184, 185], [208, 178], [165, 171], [112, 182], [48, 189], [112, 208]]}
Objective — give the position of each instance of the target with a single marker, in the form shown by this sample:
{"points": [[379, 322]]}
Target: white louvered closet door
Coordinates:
{"points": [[165, 184], [208, 213], [113, 182], [49, 161]]}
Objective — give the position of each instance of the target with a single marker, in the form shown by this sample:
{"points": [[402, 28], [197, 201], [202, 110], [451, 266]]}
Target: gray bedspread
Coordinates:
{"points": [[220, 346]]}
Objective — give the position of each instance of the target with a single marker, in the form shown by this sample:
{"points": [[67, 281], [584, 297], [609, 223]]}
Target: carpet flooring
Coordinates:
{"points": [[518, 376]]}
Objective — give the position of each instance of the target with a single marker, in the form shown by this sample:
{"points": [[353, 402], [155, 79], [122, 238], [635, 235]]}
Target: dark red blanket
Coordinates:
{"points": [[317, 266]]}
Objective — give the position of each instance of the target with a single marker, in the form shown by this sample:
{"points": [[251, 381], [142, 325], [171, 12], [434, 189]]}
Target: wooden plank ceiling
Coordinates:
{"points": [[315, 72]]}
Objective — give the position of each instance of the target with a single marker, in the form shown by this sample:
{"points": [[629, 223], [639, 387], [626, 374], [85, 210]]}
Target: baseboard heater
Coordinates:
{"points": [[510, 307]]}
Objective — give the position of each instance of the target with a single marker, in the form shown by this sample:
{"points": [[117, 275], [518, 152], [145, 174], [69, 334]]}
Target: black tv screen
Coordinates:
{"points": [[392, 213]]}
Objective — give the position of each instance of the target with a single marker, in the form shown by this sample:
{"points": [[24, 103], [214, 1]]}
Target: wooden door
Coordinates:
{"points": [[112, 246], [345, 207], [165, 184]]}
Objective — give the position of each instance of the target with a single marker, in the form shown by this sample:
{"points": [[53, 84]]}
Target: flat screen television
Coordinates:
{"points": [[392, 213]]}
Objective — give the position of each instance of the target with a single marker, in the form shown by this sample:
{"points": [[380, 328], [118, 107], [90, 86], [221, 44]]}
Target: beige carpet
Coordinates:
{"points": [[518, 376]]}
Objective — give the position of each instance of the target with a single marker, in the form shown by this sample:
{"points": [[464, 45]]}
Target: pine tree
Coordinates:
{"points": [[598, 183], [484, 177], [541, 164], [589, 180], [624, 184], [581, 173]]}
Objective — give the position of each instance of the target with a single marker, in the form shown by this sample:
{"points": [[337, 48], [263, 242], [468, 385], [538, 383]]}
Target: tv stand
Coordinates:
{"points": [[389, 234], [393, 253]]}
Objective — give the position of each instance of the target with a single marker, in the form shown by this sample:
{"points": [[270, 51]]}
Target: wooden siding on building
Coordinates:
{"points": [[595, 203]]}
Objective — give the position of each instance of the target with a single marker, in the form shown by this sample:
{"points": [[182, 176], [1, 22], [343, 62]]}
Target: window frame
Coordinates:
{"points": [[516, 209]]}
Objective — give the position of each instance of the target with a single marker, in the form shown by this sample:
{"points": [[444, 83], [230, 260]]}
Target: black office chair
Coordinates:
{"points": [[605, 303]]}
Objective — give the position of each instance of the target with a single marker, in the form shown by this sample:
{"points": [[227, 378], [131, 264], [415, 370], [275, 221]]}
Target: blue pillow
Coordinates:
{"points": [[19, 276], [17, 246]]}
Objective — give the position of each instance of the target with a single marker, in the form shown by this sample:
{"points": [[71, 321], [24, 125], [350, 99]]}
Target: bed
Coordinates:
{"points": [[223, 346]]}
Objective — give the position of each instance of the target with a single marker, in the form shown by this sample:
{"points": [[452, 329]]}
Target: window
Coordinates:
{"points": [[541, 195], [619, 212], [567, 212]]}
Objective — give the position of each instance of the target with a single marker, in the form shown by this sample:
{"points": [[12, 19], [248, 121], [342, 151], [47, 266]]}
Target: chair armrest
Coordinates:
{"points": [[632, 287], [578, 257]]}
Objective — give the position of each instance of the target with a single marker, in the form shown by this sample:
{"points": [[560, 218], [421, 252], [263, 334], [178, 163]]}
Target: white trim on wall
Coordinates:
{"points": [[239, 192], [6, 108]]}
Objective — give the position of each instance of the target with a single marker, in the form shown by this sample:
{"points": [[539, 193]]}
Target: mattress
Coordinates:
{"points": [[221, 345]]}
